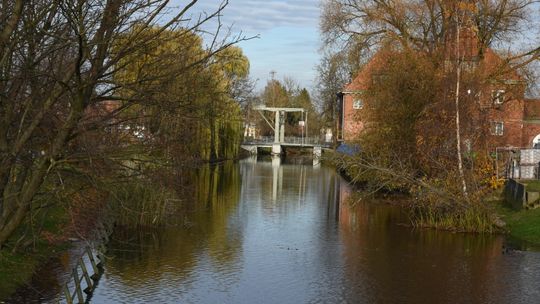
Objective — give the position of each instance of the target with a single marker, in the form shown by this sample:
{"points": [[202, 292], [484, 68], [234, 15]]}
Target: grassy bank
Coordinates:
{"points": [[523, 225], [47, 233], [17, 269], [18, 266], [532, 185]]}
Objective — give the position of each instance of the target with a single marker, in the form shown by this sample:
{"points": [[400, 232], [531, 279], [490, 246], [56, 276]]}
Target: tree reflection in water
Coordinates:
{"points": [[281, 231]]}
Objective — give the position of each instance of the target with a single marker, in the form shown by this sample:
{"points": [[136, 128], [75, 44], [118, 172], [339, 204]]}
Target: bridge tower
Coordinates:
{"points": [[279, 124]]}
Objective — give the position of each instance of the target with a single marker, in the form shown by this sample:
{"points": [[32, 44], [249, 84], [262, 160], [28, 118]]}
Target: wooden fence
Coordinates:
{"points": [[87, 271]]}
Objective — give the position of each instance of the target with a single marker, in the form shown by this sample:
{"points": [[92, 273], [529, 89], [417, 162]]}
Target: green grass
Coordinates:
{"points": [[533, 185], [523, 225], [17, 268]]}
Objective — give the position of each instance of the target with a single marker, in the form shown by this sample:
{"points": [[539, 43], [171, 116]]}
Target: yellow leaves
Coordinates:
{"points": [[467, 6], [233, 61], [158, 56], [496, 183], [484, 172]]}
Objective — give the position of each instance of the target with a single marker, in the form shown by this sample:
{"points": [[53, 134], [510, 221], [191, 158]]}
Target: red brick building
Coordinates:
{"points": [[350, 123], [514, 121]]}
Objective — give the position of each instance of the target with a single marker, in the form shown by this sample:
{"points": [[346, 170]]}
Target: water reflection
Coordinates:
{"points": [[389, 263], [207, 243], [271, 231], [282, 231]]}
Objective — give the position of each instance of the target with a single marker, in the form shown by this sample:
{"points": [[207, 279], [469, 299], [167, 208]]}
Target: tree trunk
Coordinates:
{"points": [[458, 128], [213, 154]]}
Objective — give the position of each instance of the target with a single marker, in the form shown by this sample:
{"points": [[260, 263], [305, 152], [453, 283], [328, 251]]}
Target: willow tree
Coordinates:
{"points": [[224, 112], [190, 113]]}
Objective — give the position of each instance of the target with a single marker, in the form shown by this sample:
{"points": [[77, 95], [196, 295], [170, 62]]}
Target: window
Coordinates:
{"points": [[497, 128], [358, 104], [497, 97]]}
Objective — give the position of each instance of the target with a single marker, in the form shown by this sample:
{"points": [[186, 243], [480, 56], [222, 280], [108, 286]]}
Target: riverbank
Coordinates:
{"points": [[48, 236], [17, 267], [138, 202], [521, 226]]}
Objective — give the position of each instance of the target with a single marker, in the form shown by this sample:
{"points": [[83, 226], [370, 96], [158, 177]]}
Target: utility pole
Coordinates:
{"points": [[272, 81]]}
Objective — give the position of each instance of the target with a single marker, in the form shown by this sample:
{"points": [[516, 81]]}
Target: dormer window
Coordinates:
{"points": [[498, 97], [358, 104]]}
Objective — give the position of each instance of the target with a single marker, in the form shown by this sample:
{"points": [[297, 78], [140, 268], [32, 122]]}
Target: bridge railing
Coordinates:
{"points": [[292, 140], [259, 140]]}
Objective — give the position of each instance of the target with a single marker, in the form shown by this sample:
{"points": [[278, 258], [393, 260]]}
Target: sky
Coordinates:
{"points": [[288, 33]]}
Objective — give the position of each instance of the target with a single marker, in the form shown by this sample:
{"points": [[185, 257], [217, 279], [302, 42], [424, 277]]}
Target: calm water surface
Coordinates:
{"points": [[271, 232]]}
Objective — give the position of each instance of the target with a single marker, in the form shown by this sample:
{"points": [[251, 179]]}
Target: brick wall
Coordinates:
{"points": [[530, 131], [352, 122], [510, 113]]}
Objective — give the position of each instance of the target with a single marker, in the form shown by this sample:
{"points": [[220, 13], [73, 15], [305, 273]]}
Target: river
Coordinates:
{"points": [[271, 231]]}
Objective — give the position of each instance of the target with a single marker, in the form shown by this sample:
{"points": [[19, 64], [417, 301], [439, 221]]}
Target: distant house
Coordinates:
{"points": [[514, 120], [350, 123]]}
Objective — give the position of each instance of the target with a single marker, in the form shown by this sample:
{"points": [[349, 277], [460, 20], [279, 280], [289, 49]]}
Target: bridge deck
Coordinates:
{"points": [[269, 145], [308, 142]]}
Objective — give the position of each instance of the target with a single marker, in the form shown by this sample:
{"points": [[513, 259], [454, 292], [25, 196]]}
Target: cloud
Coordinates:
{"points": [[288, 32], [259, 16]]}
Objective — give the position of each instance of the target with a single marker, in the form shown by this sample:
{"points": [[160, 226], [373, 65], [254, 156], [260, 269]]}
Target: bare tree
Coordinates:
{"points": [[454, 35], [459, 59], [57, 60], [423, 25], [333, 74]]}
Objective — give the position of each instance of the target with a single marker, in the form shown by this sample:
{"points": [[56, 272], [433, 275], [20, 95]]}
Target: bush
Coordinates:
{"points": [[142, 203]]}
